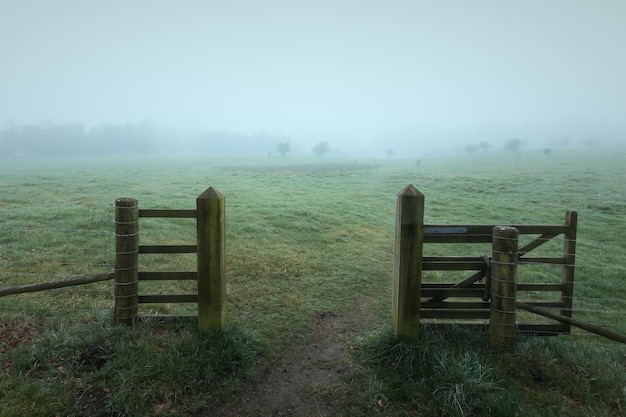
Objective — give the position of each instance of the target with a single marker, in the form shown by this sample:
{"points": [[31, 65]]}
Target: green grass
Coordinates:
{"points": [[303, 236], [452, 372], [94, 369]]}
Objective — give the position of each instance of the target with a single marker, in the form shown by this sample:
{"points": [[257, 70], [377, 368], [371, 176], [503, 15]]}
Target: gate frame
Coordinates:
{"points": [[427, 300], [210, 249]]}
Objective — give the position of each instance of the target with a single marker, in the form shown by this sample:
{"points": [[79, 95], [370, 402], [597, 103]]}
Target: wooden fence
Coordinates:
{"points": [[209, 247], [488, 296]]}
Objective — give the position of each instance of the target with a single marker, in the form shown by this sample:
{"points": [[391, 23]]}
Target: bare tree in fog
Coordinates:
{"points": [[321, 148], [283, 147]]}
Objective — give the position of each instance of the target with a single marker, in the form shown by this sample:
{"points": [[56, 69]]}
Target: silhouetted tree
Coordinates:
{"points": [[283, 147], [321, 148], [513, 145], [390, 152], [484, 146], [547, 151]]}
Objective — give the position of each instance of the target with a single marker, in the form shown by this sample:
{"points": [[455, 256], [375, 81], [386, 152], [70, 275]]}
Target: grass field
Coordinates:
{"points": [[309, 261]]}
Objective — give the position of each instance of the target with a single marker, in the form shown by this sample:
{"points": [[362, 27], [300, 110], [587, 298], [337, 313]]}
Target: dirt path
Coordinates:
{"points": [[285, 380]]}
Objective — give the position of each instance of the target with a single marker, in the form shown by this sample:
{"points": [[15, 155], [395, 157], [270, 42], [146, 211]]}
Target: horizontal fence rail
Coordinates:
{"points": [[44, 286], [167, 249], [209, 250], [167, 213]]}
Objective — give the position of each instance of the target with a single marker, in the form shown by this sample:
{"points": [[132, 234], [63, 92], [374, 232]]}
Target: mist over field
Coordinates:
{"points": [[368, 79]]}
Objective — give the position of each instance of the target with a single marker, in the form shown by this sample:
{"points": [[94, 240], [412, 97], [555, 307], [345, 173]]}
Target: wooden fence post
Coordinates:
{"points": [[502, 326], [126, 258], [567, 275], [407, 267], [211, 224]]}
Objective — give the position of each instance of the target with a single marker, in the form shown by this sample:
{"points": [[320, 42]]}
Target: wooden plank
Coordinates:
{"points": [[167, 213], [482, 229], [168, 276], [469, 259], [561, 260], [484, 305], [168, 298], [70, 282], [438, 284], [455, 314], [443, 285], [443, 293], [152, 249], [470, 229], [452, 238]]}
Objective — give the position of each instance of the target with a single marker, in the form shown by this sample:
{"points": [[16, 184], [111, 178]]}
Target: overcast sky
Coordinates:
{"points": [[353, 68]]}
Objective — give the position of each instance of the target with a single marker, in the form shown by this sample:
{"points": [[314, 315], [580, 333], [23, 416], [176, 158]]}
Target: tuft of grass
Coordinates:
{"points": [[144, 370], [447, 374], [452, 372]]}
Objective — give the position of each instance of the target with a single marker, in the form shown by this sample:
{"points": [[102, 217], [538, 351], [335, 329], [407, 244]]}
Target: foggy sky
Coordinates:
{"points": [[351, 69]]}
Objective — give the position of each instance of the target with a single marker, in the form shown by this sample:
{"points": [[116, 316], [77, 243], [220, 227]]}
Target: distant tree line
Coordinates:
{"points": [[73, 139], [50, 139]]}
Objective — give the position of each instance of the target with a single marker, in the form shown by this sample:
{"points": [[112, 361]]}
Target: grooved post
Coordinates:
{"points": [[126, 258], [407, 267], [502, 325], [211, 224]]}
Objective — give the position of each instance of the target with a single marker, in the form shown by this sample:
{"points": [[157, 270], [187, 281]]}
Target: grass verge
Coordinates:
{"points": [[94, 369], [452, 372]]}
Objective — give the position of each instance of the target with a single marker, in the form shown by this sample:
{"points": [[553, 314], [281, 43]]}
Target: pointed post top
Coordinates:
{"points": [[410, 191], [211, 194]]}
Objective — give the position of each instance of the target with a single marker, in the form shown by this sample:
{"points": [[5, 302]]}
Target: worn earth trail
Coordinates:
{"points": [[289, 379]]}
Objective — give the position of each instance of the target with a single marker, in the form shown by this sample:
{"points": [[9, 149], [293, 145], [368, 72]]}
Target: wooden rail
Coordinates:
{"points": [[70, 282], [209, 250], [577, 323]]}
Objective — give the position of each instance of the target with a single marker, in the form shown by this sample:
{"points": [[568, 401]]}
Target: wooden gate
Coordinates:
{"points": [[468, 300], [209, 247], [438, 298]]}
